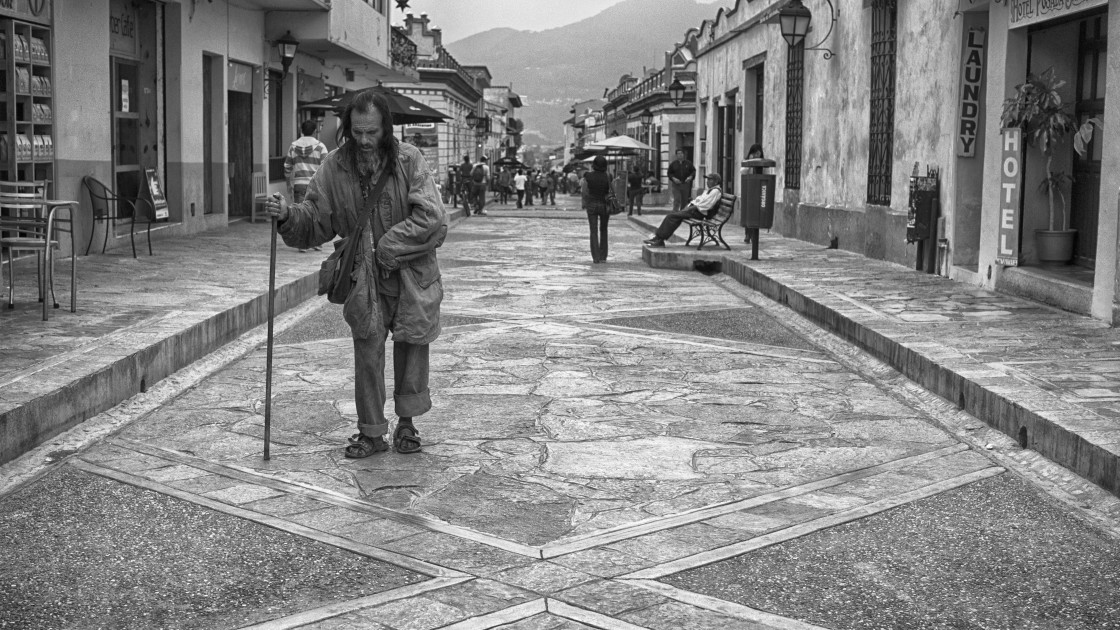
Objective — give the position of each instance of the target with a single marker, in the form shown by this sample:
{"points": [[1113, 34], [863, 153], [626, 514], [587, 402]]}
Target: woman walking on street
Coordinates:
{"points": [[594, 188]]}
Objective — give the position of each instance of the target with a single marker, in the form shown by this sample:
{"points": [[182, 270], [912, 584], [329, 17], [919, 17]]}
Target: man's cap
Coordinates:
{"points": [[715, 176], [485, 159]]}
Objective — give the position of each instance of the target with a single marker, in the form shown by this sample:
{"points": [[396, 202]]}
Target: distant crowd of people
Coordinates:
{"points": [[469, 182]]}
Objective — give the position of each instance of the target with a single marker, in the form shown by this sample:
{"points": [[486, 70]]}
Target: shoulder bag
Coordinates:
{"points": [[613, 204], [336, 278]]}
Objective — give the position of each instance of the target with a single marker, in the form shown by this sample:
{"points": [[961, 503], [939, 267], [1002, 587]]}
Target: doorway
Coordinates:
{"points": [[1086, 189], [126, 131], [240, 143]]}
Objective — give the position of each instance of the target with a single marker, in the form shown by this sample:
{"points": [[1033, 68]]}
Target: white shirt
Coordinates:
{"points": [[519, 181], [708, 199]]}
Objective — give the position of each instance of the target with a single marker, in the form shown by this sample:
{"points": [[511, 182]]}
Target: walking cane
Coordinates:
{"points": [[268, 355]]}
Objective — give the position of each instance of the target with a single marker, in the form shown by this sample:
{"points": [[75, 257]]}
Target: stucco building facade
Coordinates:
{"points": [[899, 88]]}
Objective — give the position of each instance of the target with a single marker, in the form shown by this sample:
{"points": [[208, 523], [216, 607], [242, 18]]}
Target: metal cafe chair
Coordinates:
{"points": [[29, 222], [107, 207]]}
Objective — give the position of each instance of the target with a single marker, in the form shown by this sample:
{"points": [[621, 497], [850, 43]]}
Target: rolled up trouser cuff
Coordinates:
{"points": [[412, 405], [373, 430]]}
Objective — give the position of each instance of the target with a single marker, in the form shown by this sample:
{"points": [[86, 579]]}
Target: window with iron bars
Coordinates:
{"points": [[795, 98], [884, 33]]}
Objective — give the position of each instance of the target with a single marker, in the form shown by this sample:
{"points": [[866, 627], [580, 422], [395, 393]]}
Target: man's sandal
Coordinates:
{"points": [[363, 446], [406, 439]]}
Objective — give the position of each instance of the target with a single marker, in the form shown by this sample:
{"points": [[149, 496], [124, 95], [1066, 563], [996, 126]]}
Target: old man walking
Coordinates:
{"points": [[384, 184]]}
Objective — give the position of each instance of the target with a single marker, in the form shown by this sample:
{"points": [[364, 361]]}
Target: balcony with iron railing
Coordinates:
{"points": [[653, 84], [402, 53], [444, 61]]}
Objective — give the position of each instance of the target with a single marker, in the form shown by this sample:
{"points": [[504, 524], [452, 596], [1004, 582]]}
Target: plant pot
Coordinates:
{"points": [[1054, 245]]}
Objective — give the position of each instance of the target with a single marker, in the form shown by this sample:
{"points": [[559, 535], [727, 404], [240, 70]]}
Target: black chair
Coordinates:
{"points": [[711, 230], [107, 207]]}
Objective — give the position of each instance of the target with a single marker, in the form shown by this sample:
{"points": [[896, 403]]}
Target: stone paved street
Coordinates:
{"points": [[612, 446]]}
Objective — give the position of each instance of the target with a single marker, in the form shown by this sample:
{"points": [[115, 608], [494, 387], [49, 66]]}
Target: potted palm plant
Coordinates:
{"points": [[1037, 108]]}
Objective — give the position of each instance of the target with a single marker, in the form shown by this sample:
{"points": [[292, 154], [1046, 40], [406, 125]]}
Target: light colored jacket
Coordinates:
{"points": [[305, 156], [408, 224]]}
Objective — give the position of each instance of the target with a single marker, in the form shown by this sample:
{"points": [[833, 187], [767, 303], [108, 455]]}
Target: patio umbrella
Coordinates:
{"points": [[620, 143], [405, 111], [508, 161]]}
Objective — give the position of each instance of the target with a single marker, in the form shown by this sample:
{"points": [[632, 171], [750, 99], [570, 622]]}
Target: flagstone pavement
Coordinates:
{"points": [[596, 431]]}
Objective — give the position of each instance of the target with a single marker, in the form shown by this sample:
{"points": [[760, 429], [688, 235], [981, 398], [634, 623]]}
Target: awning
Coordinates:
{"points": [[405, 111]]}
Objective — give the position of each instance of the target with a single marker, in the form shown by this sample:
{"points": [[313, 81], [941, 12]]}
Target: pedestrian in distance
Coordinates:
{"points": [[380, 191], [447, 193], [635, 190], [505, 182], [519, 182], [618, 184], [704, 206], [480, 182], [304, 157], [553, 183], [594, 188], [464, 191], [530, 186], [573, 183], [543, 186], [681, 175]]}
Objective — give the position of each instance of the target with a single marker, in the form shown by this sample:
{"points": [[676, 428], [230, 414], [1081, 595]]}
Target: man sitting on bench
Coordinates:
{"points": [[703, 206]]}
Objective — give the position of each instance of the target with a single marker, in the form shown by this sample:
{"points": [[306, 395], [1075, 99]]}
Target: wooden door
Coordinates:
{"points": [[1086, 189], [240, 142]]}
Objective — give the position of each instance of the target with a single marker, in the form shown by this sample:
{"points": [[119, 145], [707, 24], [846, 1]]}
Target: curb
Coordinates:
{"points": [[1026, 421], [32, 423]]}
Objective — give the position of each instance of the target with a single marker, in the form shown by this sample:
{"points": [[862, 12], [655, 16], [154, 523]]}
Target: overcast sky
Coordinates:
{"points": [[462, 18]]}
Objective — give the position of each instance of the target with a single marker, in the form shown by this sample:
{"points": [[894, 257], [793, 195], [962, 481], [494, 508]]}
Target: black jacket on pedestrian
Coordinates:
{"points": [[682, 170]]}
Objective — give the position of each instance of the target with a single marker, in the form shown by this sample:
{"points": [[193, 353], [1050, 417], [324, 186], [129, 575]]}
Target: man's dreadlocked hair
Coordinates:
{"points": [[367, 101]]}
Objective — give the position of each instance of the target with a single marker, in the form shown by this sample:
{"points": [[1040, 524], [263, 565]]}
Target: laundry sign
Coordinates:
{"points": [[972, 74], [1027, 12]]}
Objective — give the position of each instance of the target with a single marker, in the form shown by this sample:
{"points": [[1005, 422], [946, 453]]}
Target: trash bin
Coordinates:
{"points": [[758, 194]]}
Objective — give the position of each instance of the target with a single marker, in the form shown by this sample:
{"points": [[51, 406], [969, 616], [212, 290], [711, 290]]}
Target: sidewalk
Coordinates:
{"points": [[137, 321], [1048, 378]]}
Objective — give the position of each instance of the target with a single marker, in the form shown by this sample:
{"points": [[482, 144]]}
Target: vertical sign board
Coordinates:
{"points": [[972, 72], [424, 136], [1010, 196], [155, 193]]}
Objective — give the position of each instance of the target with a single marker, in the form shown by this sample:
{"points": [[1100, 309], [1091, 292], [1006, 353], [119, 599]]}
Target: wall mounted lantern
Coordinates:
{"points": [[676, 92], [795, 19], [287, 46], [472, 120], [646, 117]]}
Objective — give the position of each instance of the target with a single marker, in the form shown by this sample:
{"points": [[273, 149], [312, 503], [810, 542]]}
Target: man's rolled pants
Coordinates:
{"points": [[411, 397]]}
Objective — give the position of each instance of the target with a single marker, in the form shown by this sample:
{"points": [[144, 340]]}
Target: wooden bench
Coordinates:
{"points": [[711, 230]]}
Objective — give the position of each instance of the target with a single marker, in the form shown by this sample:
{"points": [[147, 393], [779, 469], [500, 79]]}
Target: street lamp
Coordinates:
{"points": [[646, 117], [472, 120], [676, 92], [795, 19], [287, 46]]}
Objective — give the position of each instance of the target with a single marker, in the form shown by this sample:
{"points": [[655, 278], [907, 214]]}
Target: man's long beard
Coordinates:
{"points": [[368, 162]]}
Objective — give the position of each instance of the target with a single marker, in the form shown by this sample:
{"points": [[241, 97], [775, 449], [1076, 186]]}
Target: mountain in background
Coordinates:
{"points": [[554, 69]]}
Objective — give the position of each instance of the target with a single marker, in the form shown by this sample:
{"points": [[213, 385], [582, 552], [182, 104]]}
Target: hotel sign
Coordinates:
{"points": [[1010, 196], [972, 73], [1026, 12]]}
